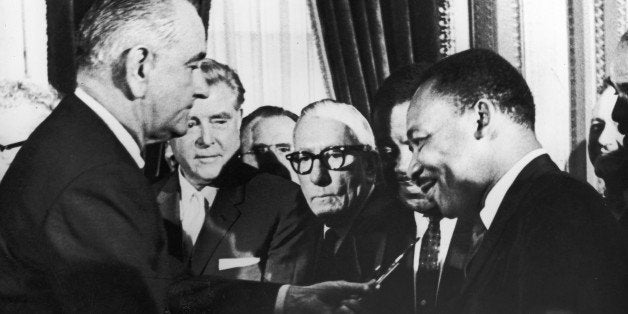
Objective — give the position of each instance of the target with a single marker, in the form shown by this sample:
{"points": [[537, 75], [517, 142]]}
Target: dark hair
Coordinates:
{"points": [[267, 112], [215, 72], [397, 88], [111, 26], [474, 74]]}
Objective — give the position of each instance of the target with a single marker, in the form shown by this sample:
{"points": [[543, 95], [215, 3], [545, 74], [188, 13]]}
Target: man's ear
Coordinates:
{"points": [[139, 65], [483, 112]]}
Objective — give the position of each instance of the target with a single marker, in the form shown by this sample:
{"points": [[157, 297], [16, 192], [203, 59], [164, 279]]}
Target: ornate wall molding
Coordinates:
{"points": [[483, 24], [600, 44], [497, 25], [445, 29]]}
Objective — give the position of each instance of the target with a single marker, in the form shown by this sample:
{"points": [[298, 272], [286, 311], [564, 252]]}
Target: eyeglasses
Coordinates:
{"points": [[261, 149], [332, 158]]}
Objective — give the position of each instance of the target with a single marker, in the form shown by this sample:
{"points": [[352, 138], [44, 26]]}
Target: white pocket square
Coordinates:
{"points": [[228, 263]]}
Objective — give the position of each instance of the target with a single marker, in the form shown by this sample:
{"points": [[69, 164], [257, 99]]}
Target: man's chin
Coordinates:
{"points": [[422, 206]]}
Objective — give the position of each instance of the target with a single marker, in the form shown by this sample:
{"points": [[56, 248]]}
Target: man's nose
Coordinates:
{"points": [[319, 174], [206, 138], [201, 88], [403, 163]]}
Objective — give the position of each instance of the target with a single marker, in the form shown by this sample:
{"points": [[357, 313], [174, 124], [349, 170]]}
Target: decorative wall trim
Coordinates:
{"points": [[510, 32], [600, 44], [621, 21], [445, 29], [483, 24]]}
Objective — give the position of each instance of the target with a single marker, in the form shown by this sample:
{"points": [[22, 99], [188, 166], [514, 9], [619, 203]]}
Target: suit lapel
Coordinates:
{"points": [[168, 204], [510, 205], [219, 220]]}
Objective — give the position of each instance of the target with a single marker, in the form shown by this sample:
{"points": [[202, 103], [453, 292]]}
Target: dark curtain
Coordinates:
{"points": [[366, 40], [63, 18]]}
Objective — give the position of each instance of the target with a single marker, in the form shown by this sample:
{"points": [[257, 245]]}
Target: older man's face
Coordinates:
{"points": [[333, 195], [175, 80], [446, 153], [213, 136]]}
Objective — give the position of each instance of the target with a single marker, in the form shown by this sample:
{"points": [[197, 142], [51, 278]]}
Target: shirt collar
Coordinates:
{"points": [[114, 125], [187, 189], [496, 195]]}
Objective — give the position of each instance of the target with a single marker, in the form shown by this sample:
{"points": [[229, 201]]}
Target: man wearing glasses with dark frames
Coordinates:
{"points": [[361, 227]]}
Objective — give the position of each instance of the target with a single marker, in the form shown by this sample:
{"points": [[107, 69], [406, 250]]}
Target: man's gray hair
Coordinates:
{"points": [[345, 114], [111, 27]]}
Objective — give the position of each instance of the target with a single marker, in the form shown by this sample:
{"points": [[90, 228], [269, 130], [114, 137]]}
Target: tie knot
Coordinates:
{"points": [[434, 220]]}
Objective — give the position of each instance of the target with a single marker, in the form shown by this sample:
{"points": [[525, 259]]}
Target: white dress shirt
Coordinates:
{"points": [[496, 195], [447, 227], [114, 125], [192, 207]]}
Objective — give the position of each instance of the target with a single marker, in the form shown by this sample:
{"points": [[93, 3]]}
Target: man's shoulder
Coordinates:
{"points": [[73, 137]]}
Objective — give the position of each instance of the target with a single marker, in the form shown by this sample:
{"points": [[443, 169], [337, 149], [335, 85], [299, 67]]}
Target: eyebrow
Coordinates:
{"points": [[197, 57], [222, 115]]}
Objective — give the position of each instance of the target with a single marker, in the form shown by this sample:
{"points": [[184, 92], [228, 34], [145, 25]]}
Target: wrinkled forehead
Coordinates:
{"points": [[275, 128], [314, 134]]}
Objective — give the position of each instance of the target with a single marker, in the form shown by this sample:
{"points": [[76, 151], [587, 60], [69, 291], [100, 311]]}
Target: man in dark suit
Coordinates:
{"points": [[433, 270], [79, 227], [361, 226], [224, 217], [542, 240]]}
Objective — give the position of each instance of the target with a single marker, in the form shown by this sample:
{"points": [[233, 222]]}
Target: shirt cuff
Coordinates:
{"points": [[281, 298]]}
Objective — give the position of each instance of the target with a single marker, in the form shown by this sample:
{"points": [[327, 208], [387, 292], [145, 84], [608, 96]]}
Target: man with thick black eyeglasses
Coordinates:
{"points": [[361, 227]]}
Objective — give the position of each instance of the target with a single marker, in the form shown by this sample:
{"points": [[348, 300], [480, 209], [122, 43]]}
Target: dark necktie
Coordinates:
{"points": [[327, 261], [479, 230], [428, 271]]}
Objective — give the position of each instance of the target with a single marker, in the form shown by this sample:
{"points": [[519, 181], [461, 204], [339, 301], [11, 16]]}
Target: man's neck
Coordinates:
{"points": [[510, 152], [110, 97]]}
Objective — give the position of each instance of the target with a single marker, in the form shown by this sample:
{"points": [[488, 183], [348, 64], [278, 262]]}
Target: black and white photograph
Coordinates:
{"points": [[313, 156]]}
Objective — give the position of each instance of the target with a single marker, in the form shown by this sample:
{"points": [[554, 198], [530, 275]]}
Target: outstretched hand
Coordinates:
{"points": [[328, 297]]}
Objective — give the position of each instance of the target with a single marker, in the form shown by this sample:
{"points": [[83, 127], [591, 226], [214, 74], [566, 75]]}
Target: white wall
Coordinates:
{"points": [[23, 49]]}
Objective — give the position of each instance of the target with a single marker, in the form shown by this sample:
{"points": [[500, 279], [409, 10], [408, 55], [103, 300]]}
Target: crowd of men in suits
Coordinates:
{"points": [[275, 212]]}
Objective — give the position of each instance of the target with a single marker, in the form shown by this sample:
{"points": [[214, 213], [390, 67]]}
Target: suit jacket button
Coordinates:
{"points": [[423, 302]]}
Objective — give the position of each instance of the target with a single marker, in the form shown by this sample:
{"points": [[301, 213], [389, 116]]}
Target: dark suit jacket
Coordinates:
{"points": [[254, 214], [552, 245], [378, 235], [80, 230], [382, 230]]}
